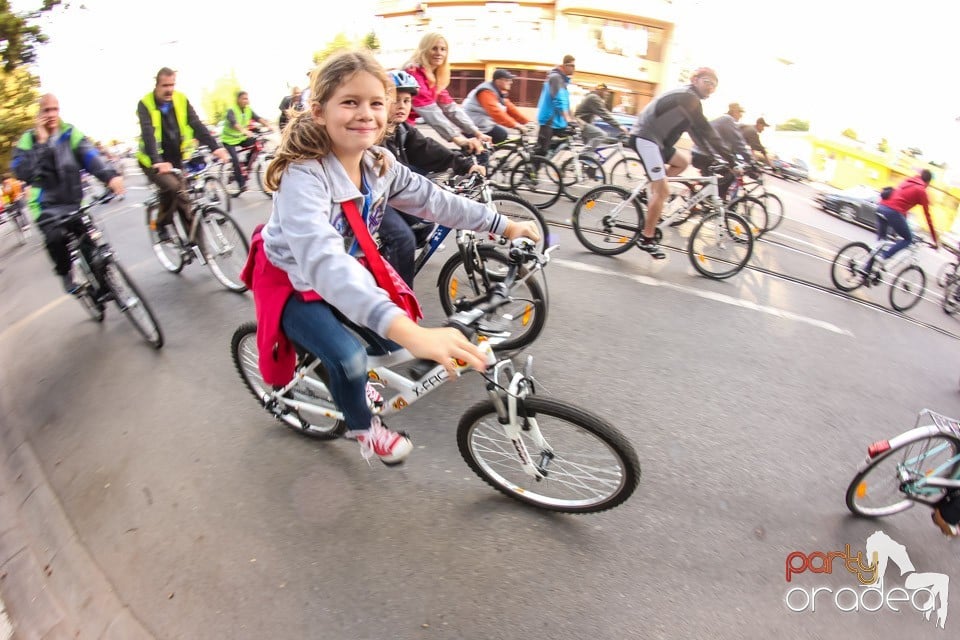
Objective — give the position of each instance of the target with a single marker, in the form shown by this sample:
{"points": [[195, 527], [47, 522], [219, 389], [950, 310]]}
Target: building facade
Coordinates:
{"points": [[624, 44]]}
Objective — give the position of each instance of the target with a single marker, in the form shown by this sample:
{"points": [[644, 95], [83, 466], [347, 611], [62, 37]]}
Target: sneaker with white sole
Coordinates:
{"points": [[650, 246], [390, 446], [948, 529]]}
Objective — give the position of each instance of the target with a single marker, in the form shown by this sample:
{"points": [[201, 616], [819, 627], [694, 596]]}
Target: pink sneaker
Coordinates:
{"points": [[391, 447]]}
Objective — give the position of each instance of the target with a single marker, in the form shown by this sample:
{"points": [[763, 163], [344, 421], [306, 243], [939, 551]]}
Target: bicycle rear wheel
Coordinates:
{"points": [[845, 269], [215, 193], [774, 206], [751, 210], [226, 246], [606, 222], [537, 181], [907, 288], [951, 298], [131, 303], [518, 323], [167, 252], [879, 487], [314, 423], [260, 171], [519, 210], [589, 466], [591, 175], [720, 245], [627, 172], [500, 166]]}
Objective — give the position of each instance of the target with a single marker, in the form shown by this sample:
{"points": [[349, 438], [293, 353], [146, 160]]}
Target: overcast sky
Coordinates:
{"points": [[854, 63]]}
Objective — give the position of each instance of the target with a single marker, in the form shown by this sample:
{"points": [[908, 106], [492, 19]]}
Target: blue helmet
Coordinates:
{"points": [[404, 81]]}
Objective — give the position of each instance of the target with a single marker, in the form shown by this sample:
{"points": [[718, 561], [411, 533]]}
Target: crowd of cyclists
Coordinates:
{"points": [[334, 184]]}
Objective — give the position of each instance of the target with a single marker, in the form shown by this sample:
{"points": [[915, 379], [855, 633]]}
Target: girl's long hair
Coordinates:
{"points": [[304, 138], [439, 77]]}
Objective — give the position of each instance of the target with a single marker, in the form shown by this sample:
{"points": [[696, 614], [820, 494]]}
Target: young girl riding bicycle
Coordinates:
{"points": [[327, 172]]}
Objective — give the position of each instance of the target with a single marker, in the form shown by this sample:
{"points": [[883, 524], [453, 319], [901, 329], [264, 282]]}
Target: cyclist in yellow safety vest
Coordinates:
{"points": [[168, 126], [236, 133]]}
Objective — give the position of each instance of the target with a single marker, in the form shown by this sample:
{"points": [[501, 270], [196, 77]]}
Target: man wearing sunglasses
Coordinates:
{"points": [[656, 131]]}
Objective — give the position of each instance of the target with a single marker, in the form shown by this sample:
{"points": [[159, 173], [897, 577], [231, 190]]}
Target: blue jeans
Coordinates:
{"points": [[399, 244], [887, 217], [319, 329]]}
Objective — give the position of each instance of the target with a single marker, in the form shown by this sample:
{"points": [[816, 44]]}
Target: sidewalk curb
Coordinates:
{"points": [[50, 586]]}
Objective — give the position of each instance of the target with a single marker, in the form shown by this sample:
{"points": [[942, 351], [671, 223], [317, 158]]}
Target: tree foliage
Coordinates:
{"points": [[18, 106], [794, 124], [216, 101], [849, 133], [19, 38], [340, 41], [371, 41]]}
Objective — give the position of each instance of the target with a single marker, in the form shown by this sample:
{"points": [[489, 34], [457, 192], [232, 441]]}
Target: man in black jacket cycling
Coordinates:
{"points": [[656, 131]]}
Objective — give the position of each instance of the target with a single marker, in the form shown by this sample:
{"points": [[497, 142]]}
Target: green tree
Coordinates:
{"points": [[18, 106], [794, 124], [883, 146], [340, 41], [18, 38], [216, 101], [849, 133], [370, 41]]}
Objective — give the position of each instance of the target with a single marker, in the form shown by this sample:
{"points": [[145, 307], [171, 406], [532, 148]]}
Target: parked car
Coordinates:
{"points": [[793, 169], [857, 205], [626, 120]]}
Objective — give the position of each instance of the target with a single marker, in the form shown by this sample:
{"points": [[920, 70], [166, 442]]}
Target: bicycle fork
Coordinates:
{"points": [[521, 385]]}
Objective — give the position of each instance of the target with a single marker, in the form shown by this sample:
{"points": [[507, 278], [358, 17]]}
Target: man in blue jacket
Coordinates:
{"points": [[553, 109], [49, 158]]}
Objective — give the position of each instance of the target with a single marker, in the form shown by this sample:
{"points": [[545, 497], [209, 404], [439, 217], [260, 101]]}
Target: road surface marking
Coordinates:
{"points": [[708, 295]]}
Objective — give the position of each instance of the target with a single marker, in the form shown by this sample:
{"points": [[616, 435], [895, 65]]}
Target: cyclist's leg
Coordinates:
{"points": [[899, 224], [167, 185], [55, 240], [498, 133], [946, 514], [653, 164], [544, 136], [235, 158], [399, 244], [591, 133], [254, 153]]}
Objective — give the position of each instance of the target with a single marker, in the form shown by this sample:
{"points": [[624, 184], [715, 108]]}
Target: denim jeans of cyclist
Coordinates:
{"points": [[316, 327], [498, 133], [887, 217], [399, 244], [235, 157]]}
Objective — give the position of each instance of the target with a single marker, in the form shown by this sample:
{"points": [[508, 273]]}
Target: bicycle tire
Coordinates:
{"points": [[529, 309], [260, 171], [947, 273], [890, 480], [601, 227], [222, 238], [491, 455], [713, 245], [627, 172], [168, 253], [951, 298], [592, 175], [538, 181], [89, 288], [774, 206], [518, 209], [753, 211], [215, 193], [498, 167], [844, 268], [910, 282], [131, 303], [229, 180]]}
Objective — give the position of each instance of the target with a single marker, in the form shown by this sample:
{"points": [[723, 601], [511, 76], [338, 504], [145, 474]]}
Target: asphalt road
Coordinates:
{"points": [[750, 403]]}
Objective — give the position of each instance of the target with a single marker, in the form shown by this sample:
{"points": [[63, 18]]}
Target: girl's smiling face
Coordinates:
{"points": [[355, 115]]}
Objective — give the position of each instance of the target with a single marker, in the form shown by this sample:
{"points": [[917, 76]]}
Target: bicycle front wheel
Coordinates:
{"points": [[516, 324], [751, 210], [606, 221], [886, 483], [951, 298], [315, 421], [519, 210], [538, 181], [226, 246], [89, 292], [132, 304], [260, 171], [845, 270], [228, 178], [215, 193], [907, 288], [588, 466], [720, 245], [774, 206], [581, 174]]}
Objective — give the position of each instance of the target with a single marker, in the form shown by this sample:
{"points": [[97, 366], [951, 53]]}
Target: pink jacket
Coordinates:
{"points": [[428, 94], [271, 289]]}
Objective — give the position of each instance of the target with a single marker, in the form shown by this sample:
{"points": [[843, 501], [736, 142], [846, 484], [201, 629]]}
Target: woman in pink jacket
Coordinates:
{"points": [[430, 65]]}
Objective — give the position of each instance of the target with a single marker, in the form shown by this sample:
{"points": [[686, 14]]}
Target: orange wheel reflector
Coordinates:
{"points": [[589, 204], [701, 257], [453, 289], [621, 240], [861, 489], [527, 314]]}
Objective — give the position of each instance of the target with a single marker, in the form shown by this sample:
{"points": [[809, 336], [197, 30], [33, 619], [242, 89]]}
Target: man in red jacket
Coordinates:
{"points": [[892, 213]]}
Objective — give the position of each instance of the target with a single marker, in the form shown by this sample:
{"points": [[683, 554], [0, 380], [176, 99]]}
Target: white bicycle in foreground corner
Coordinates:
{"points": [[540, 451]]}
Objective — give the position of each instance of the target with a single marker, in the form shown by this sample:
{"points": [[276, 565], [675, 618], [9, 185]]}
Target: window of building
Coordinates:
{"points": [[620, 38]]}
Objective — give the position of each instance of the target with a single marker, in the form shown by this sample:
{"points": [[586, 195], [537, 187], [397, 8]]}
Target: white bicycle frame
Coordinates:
{"points": [[710, 191], [409, 390]]}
